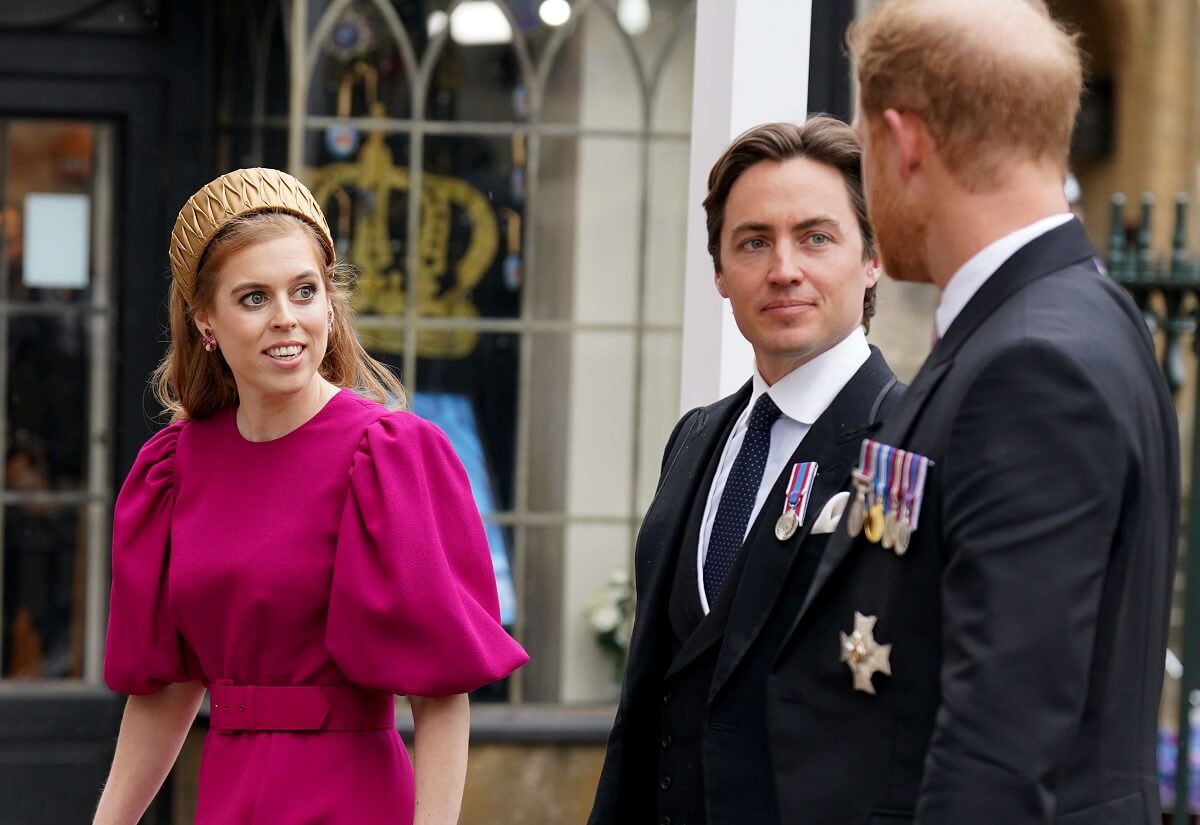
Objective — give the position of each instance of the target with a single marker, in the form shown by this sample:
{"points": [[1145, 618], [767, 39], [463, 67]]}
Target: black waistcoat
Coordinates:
{"points": [[698, 730], [683, 720]]}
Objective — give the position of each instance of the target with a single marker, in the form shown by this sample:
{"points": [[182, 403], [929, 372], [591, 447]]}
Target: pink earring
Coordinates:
{"points": [[331, 321], [208, 340]]}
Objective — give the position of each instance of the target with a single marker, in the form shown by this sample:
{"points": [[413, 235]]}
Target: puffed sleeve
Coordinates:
{"points": [[413, 608], [143, 652]]}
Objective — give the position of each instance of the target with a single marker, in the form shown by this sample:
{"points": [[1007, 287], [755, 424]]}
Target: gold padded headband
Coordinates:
{"points": [[238, 193]]}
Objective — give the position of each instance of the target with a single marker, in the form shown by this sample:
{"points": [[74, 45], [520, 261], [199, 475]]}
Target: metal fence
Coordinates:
{"points": [[1167, 290]]}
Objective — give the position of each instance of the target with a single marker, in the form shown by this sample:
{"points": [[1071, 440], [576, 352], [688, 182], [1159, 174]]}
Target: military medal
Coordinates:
{"points": [[902, 532], [862, 486], [914, 493], [889, 486], [795, 503], [865, 656], [858, 507], [873, 528], [887, 535], [891, 503]]}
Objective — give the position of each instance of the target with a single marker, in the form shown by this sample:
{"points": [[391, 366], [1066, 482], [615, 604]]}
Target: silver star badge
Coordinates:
{"points": [[864, 655]]}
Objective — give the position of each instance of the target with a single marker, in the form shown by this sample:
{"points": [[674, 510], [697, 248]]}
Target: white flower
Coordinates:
{"points": [[619, 578], [605, 618]]}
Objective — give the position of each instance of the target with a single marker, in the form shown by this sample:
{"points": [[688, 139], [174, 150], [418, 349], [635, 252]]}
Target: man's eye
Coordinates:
{"points": [[755, 243], [819, 239]]}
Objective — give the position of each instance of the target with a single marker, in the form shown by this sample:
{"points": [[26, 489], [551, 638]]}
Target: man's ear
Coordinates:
{"points": [[719, 280], [874, 270], [909, 135]]}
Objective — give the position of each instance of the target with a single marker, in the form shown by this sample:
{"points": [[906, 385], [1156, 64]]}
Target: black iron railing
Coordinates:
{"points": [[1167, 290]]}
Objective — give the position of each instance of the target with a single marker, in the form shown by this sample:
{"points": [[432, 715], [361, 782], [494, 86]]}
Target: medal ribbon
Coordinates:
{"points": [[883, 455], [799, 486], [906, 485], [870, 448], [894, 479], [917, 493], [862, 455]]}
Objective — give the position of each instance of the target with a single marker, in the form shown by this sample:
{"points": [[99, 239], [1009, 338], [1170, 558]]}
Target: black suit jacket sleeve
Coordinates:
{"points": [[1032, 484], [673, 442], [607, 805]]}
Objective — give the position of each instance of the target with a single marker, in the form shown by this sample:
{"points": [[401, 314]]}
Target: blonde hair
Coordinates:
{"points": [[192, 383], [988, 86]]}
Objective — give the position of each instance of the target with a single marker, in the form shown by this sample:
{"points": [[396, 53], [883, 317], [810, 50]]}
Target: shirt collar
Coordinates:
{"points": [[972, 275], [808, 390]]}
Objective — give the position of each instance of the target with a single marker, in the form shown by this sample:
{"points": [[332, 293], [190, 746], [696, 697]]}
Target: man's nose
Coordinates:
{"points": [[787, 265]]}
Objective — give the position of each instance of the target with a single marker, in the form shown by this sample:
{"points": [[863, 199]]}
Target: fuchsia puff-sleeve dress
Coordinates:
{"points": [[347, 553]]}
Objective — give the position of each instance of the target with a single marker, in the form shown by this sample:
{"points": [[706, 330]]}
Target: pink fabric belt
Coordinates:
{"points": [[306, 707]]}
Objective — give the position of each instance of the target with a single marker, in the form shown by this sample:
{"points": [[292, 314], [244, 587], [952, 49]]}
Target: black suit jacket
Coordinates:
{"points": [[751, 625], [1028, 618]]}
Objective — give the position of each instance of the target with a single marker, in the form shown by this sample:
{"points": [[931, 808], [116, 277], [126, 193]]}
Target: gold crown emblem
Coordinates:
{"points": [[234, 194]]}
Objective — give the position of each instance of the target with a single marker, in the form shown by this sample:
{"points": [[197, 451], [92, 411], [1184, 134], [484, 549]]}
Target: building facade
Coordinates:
{"points": [[516, 182]]}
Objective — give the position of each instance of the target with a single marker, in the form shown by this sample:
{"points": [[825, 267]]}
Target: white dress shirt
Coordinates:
{"points": [[972, 275], [801, 395]]}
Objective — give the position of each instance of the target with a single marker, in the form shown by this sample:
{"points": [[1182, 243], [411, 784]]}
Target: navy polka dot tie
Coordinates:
{"points": [[737, 499]]}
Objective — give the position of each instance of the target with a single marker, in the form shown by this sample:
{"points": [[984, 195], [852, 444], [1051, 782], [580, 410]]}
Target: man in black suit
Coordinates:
{"points": [[751, 489], [1006, 668]]}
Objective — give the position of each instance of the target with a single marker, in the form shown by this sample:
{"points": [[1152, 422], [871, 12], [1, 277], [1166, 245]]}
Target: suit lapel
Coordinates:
{"points": [[1059, 248], [833, 442], [893, 432], [665, 524]]}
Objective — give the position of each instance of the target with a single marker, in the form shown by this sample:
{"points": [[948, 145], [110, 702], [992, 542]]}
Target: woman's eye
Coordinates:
{"points": [[306, 291], [254, 299]]}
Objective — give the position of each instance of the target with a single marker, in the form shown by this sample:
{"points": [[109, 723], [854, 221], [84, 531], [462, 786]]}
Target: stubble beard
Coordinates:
{"points": [[900, 234]]}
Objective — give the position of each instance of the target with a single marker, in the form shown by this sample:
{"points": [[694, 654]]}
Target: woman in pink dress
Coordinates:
{"points": [[293, 546]]}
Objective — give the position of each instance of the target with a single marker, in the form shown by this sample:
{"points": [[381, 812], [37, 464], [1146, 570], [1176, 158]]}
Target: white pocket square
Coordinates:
{"points": [[831, 514]]}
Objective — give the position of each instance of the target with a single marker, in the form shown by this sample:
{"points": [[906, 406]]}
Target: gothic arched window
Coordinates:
{"points": [[510, 178]]}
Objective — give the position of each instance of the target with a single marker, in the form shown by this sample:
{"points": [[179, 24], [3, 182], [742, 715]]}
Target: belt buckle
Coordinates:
{"points": [[231, 708]]}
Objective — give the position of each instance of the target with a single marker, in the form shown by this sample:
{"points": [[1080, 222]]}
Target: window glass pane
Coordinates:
{"points": [[606, 91], [359, 67], [548, 408], [599, 440], [541, 613], [480, 389], [43, 573], [598, 612], [253, 78], [365, 198], [589, 210], [478, 76], [472, 225], [666, 235], [48, 400], [658, 410], [55, 433], [553, 227], [671, 99], [44, 158]]}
